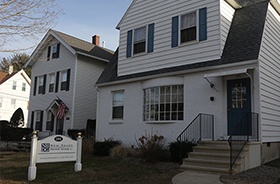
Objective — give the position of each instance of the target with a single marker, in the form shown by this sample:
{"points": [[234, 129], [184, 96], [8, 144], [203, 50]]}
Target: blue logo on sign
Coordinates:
{"points": [[45, 147]]}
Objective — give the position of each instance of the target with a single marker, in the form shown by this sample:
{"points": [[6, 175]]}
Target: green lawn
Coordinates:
{"points": [[97, 170]]}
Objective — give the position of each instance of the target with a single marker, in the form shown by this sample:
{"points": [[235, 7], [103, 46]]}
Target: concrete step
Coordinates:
{"points": [[206, 169], [209, 163]]}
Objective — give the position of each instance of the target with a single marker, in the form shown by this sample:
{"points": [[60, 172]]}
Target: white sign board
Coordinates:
{"points": [[56, 149]]}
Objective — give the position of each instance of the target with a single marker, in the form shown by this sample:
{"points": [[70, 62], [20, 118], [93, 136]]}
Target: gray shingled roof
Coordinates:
{"points": [[243, 43], [85, 47]]}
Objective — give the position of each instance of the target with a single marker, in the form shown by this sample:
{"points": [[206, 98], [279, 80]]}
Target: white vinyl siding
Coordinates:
{"points": [[88, 71], [270, 78], [65, 61], [227, 13], [161, 13]]}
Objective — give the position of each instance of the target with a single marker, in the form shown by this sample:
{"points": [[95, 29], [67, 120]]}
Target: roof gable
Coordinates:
{"points": [[4, 76], [125, 14], [74, 45]]}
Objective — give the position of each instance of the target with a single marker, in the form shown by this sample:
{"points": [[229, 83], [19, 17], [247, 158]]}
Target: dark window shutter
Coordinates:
{"points": [[129, 44], [57, 82], [202, 24], [151, 38], [35, 86], [49, 53], [44, 85], [175, 31], [68, 80], [32, 120], [58, 50], [41, 120]]}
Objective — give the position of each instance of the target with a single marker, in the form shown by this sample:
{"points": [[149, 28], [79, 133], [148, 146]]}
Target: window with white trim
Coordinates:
{"points": [[14, 85], [139, 41], [41, 85], [164, 103], [188, 28], [51, 82], [53, 51], [63, 80], [13, 103], [118, 105], [23, 88], [38, 122]]}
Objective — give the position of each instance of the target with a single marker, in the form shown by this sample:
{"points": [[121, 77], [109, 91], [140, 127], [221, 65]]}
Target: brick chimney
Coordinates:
{"points": [[96, 40], [11, 69]]}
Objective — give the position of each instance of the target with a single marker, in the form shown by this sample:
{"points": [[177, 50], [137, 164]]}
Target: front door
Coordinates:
{"points": [[239, 106]]}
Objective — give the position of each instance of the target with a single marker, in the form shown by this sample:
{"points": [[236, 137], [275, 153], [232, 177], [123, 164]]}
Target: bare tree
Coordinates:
{"points": [[22, 20]]}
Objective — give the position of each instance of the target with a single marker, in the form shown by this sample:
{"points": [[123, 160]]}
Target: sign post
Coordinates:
{"points": [[32, 169], [56, 148]]}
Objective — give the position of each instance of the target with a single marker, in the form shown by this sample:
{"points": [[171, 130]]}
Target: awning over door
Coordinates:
{"points": [[228, 72]]}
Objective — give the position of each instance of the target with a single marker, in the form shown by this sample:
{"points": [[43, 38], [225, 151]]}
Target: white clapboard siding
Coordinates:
{"points": [[227, 13], [7, 94], [270, 77], [161, 12], [88, 71], [65, 61]]}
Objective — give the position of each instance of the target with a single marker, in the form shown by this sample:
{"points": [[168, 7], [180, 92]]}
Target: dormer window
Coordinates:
{"points": [[140, 40], [53, 51], [188, 27]]}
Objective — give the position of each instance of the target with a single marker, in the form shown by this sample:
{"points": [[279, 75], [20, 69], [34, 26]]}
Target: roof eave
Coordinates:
{"points": [[91, 56], [234, 4], [276, 5], [123, 17]]}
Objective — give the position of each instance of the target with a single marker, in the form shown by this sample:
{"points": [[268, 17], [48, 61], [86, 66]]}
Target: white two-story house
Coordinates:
{"points": [[64, 70], [14, 94], [212, 64]]}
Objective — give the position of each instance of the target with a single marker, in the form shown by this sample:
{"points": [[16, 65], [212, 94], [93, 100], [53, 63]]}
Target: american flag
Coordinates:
{"points": [[61, 109]]}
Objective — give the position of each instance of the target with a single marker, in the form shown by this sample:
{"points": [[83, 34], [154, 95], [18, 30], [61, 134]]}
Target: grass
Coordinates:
{"points": [[97, 170]]}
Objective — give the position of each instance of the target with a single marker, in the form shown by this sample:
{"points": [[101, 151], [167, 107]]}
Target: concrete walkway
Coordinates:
{"points": [[189, 177]]}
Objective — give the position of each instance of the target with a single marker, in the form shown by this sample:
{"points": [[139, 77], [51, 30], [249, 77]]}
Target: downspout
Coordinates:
{"points": [[97, 112]]}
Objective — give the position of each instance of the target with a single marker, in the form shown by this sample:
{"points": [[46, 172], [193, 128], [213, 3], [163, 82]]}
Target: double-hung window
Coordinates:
{"points": [[51, 82], [164, 103], [140, 40], [14, 85], [39, 120], [41, 85], [53, 51], [63, 80], [23, 88], [13, 103], [118, 105], [188, 27]]}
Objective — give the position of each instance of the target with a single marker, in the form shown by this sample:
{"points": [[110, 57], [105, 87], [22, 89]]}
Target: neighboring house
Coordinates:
{"points": [[14, 94], [178, 60], [63, 95]]}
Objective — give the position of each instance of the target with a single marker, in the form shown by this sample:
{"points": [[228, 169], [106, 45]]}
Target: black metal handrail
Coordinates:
{"points": [[247, 129], [201, 127]]}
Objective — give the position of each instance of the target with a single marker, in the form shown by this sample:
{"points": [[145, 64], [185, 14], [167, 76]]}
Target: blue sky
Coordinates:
{"points": [[85, 18]]}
